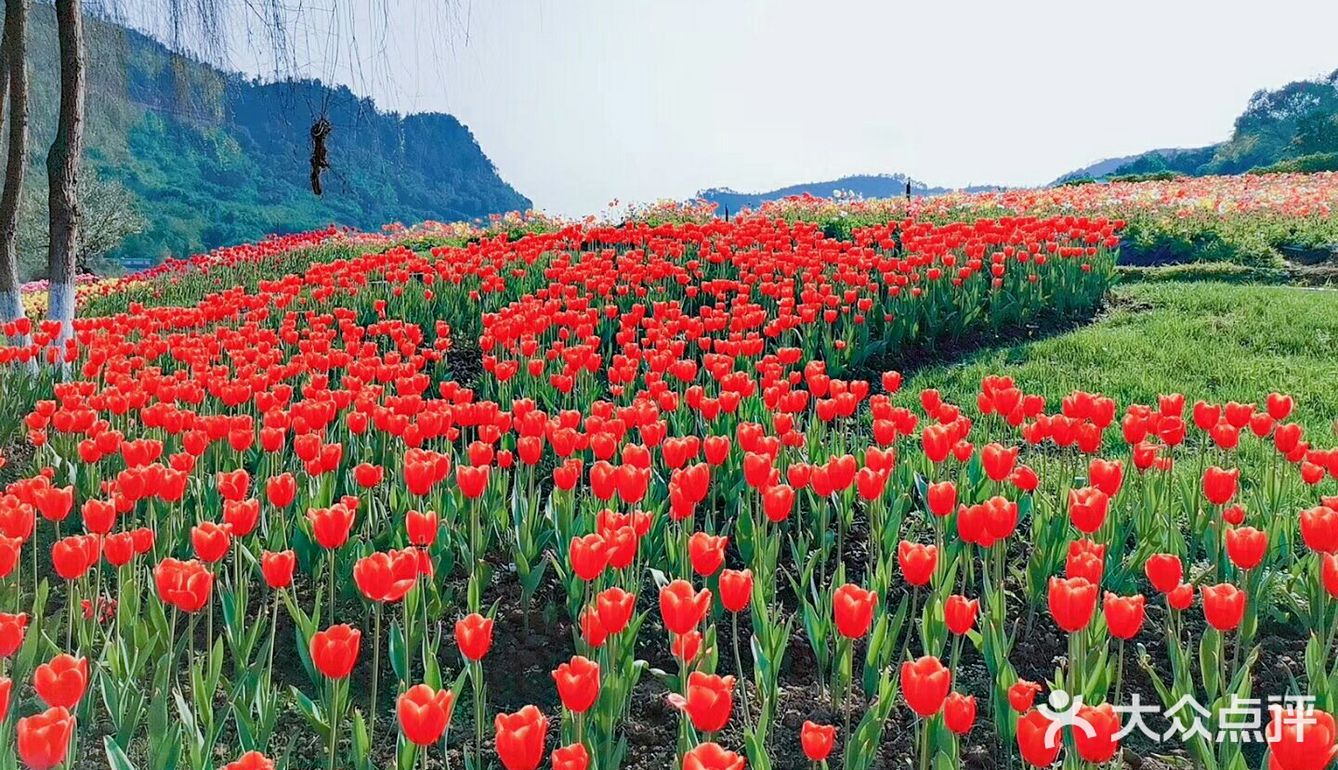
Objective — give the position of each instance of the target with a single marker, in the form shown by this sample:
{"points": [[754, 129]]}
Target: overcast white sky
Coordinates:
{"points": [[579, 102]]}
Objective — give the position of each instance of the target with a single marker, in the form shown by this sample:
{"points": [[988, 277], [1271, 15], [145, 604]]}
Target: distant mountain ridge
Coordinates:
{"points": [[1121, 165], [214, 158], [1292, 128], [858, 185]]}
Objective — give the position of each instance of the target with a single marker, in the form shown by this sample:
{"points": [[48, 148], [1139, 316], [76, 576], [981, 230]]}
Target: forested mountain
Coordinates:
{"points": [[1293, 128], [207, 158], [863, 186]]}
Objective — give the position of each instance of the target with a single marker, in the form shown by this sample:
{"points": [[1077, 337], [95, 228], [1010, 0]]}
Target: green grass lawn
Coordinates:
{"points": [[1214, 341]]}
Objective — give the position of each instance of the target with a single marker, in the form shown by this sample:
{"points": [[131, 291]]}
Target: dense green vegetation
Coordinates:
{"points": [[1293, 128], [211, 158], [1236, 342]]}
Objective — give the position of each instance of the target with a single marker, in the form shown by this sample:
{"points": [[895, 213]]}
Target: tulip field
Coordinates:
{"points": [[657, 495]]}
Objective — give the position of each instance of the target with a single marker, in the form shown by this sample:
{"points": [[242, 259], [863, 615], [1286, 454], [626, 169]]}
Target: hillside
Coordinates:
{"points": [[864, 186], [213, 158], [1142, 163], [1292, 128]]}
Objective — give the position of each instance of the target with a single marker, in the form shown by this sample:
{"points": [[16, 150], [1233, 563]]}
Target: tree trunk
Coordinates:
{"points": [[62, 167], [15, 64]]}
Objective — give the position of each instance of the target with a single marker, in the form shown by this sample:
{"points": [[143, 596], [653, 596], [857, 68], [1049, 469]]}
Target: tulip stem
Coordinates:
{"points": [[332, 585], [924, 745], [334, 720], [70, 601], [911, 619], [273, 628], [850, 684], [376, 669], [1119, 673], [743, 683], [476, 676]]}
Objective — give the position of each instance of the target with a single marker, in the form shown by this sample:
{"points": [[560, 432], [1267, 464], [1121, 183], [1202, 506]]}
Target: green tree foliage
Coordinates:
{"points": [[210, 158], [1293, 122]]}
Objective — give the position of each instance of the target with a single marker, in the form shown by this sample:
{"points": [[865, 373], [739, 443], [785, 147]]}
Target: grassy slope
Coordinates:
{"points": [[1208, 340]]}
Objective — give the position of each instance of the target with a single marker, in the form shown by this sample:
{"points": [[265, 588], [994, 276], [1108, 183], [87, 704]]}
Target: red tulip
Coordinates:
{"points": [[736, 589], [367, 475], [1024, 478], [1233, 515], [44, 739], [99, 516], [186, 585], [335, 650], [520, 738], [1279, 406], [1085, 560], [577, 684], [277, 568], [960, 613], [614, 608], [251, 760], [1101, 745], [925, 684], [54, 503], [1301, 740], [573, 757], [1164, 571], [211, 541], [1219, 485], [10, 548], [1319, 529], [686, 647], [709, 701], [941, 498], [1223, 606], [589, 556], [681, 607], [711, 756], [852, 610], [707, 552], [241, 516], [778, 502], [1088, 507], [998, 461], [1106, 475], [871, 483], [593, 632], [816, 740], [959, 713], [1000, 517], [473, 635], [1037, 743], [1328, 574], [917, 562], [1246, 546], [421, 528], [1021, 695], [1072, 602], [1181, 597], [386, 577], [281, 490], [331, 526], [1124, 615], [6, 687], [424, 713], [61, 682], [473, 481], [234, 485], [69, 557], [12, 628]]}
